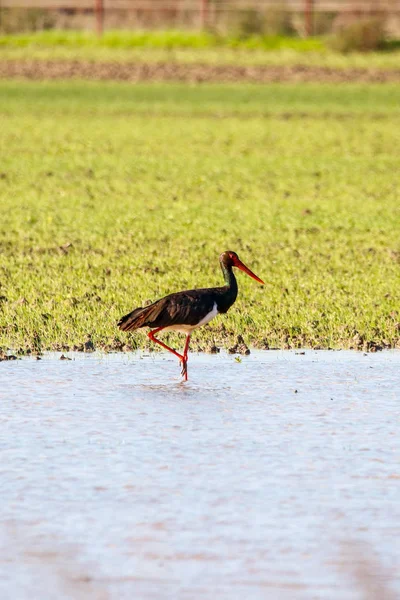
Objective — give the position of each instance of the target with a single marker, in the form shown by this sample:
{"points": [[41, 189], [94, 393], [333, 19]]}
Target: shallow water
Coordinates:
{"points": [[274, 477]]}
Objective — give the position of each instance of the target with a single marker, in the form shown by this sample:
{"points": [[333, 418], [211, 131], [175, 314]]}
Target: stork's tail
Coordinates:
{"points": [[134, 319]]}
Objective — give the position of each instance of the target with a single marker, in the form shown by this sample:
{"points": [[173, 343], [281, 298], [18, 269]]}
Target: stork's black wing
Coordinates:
{"points": [[181, 308]]}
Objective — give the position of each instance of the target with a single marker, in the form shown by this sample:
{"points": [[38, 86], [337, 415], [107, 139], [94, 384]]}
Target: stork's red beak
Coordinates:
{"points": [[238, 263]]}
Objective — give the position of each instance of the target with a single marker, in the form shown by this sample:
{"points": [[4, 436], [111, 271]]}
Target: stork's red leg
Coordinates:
{"points": [[185, 358], [153, 339], [185, 351]]}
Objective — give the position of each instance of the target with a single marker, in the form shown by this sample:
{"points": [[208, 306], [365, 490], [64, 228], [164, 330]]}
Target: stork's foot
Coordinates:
{"points": [[184, 369]]}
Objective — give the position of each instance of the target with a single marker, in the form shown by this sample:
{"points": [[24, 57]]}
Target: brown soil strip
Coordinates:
{"points": [[137, 72]]}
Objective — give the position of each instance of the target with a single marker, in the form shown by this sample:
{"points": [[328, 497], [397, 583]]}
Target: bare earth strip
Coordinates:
{"points": [[163, 71]]}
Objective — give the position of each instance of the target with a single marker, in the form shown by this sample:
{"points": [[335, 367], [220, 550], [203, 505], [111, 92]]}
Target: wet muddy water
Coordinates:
{"points": [[274, 477]]}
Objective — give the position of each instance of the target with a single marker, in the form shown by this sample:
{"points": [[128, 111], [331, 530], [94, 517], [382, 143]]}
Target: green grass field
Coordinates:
{"points": [[168, 39], [190, 47], [150, 183]]}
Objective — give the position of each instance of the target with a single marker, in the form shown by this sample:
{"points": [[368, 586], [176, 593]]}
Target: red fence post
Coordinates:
{"points": [[203, 13], [309, 17], [99, 9]]}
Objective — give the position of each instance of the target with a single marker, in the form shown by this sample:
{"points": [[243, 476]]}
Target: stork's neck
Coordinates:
{"points": [[230, 289]]}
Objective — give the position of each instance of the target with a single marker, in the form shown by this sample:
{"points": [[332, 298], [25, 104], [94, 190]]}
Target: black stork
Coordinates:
{"points": [[185, 311]]}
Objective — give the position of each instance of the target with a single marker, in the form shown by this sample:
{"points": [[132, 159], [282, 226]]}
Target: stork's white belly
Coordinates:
{"points": [[189, 328]]}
